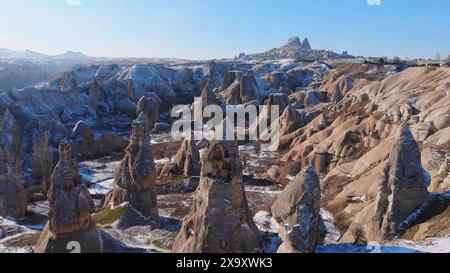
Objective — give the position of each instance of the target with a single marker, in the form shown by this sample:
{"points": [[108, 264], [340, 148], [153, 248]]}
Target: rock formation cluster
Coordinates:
{"points": [[294, 48]]}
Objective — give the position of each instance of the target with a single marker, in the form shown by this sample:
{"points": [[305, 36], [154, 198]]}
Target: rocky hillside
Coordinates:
{"points": [[364, 157]]}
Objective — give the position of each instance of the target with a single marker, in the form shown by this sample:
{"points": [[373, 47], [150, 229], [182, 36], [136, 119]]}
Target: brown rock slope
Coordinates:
{"points": [[220, 220]]}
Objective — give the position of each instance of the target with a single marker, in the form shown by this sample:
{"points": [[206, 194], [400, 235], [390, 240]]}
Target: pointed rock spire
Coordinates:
{"points": [[71, 206], [135, 179], [209, 97], [241, 89], [291, 120], [306, 47], [297, 210], [402, 185], [402, 189], [230, 77], [187, 159], [294, 42], [249, 88], [220, 220]]}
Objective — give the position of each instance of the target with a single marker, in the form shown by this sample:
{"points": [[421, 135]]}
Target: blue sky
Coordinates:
{"points": [[198, 29]]}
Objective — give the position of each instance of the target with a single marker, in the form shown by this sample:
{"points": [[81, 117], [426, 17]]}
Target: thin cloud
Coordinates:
{"points": [[73, 2], [374, 2]]}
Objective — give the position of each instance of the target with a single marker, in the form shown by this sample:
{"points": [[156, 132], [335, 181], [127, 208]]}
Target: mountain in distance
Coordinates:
{"points": [[9, 54], [71, 55], [295, 49], [15, 54]]}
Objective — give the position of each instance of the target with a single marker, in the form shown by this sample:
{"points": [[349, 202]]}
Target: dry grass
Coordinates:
{"points": [[108, 216], [26, 240]]}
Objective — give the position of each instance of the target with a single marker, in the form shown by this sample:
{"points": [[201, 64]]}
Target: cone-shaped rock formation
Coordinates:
{"points": [[297, 210], [135, 179], [402, 189], [220, 220], [70, 227]]}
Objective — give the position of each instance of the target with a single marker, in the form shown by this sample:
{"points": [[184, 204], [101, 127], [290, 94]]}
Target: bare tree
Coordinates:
{"points": [[267, 225], [10, 162], [438, 57], [42, 160]]}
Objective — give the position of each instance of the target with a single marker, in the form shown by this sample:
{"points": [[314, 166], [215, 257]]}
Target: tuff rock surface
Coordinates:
{"points": [[402, 189], [297, 210], [71, 206], [220, 220], [135, 179]]}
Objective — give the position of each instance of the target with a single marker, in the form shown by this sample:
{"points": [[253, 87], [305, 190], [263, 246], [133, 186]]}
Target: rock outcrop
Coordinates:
{"points": [[135, 180], [187, 162], [71, 206], [402, 189], [291, 120], [242, 91], [220, 220], [187, 159], [209, 97], [249, 88], [441, 180], [297, 210], [305, 46], [280, 99], [277, 99], [291, 49], [149, 106], [230, 77], [13, 200]]}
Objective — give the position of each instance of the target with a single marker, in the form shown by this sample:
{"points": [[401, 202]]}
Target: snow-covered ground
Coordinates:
{"points": [[100, 174], [431, 245], [14, 237], [269, 229]]}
